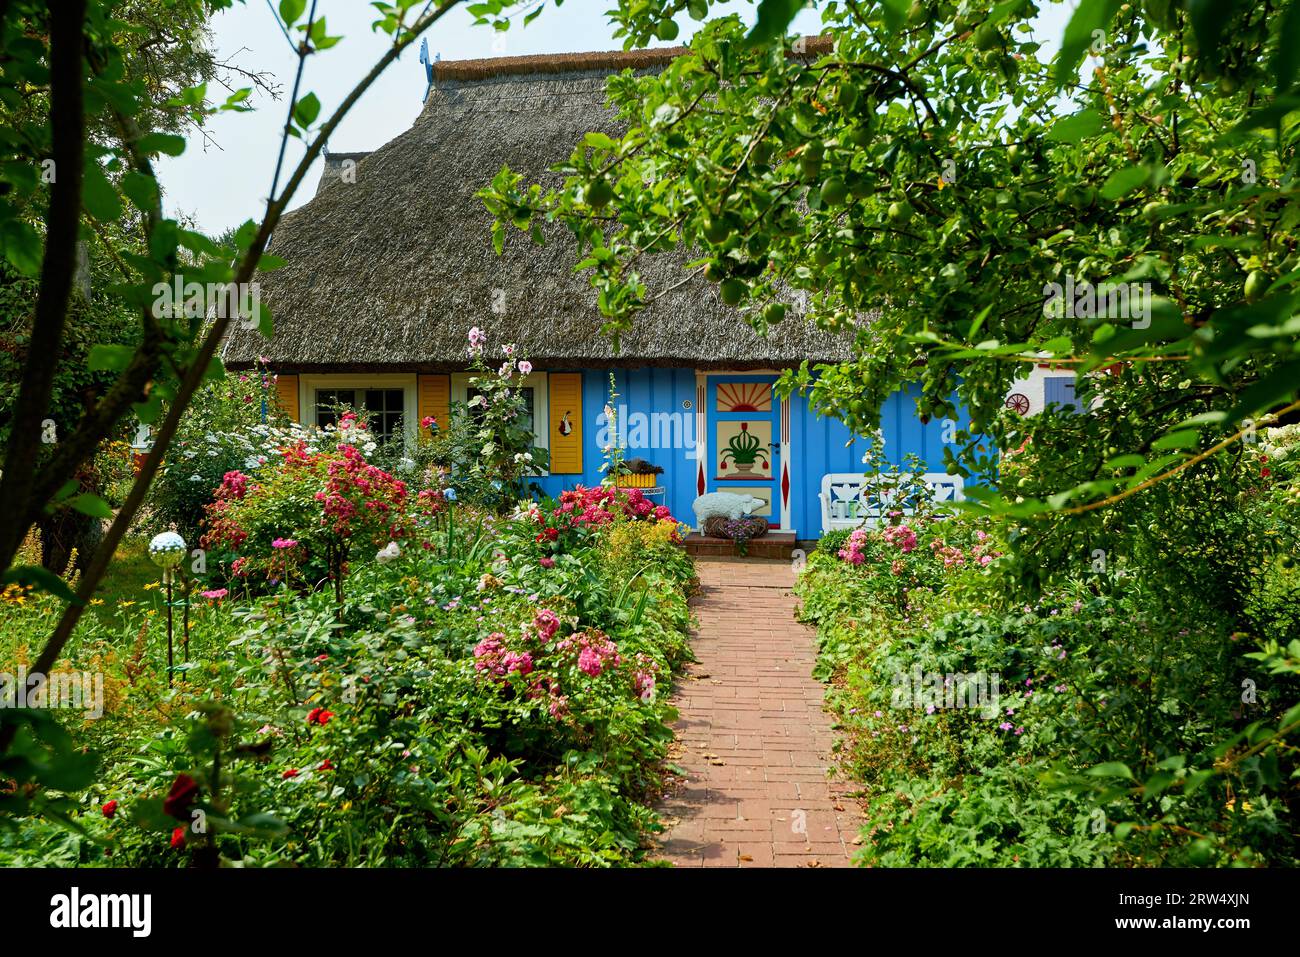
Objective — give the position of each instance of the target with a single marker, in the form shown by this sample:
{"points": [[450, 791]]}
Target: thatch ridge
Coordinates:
{"points": [[390, 271]]}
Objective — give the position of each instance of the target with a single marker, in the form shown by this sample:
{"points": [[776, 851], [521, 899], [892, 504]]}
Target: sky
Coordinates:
{"points": [[223, 178]]}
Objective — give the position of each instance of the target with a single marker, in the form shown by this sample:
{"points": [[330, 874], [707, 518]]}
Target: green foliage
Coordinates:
{"points": [[235, 424], [1118, 731], [925, 193]]}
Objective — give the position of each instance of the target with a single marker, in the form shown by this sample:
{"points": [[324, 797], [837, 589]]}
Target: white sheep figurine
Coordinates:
{"points": [[728, 504]]}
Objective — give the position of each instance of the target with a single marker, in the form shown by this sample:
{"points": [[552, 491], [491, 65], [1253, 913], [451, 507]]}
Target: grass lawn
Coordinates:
{"points": [[132, 581]]}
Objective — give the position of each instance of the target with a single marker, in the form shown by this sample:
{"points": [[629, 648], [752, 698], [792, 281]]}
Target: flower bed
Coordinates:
{"points": [[991, 731], [481, 692]]}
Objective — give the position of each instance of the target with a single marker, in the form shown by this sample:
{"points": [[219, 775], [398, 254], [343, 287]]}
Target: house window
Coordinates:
{"points": [[1059, 389], [383, 407], [529, 418]]}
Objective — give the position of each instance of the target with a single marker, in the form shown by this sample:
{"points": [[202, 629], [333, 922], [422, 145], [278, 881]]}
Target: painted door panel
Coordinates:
{"points": [[742, 414]]}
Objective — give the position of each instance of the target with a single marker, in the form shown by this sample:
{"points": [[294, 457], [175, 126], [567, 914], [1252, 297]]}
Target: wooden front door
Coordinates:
{"points": [[742, 415]]}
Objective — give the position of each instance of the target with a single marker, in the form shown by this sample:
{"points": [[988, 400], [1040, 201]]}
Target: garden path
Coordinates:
{"points": [[752, 736]]}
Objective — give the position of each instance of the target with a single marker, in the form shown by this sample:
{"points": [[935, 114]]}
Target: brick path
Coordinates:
{"points": [[752, 736]]}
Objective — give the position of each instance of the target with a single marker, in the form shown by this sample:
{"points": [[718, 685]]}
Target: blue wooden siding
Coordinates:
{"points": [[818, 444], [821, 445], [670, 442]]}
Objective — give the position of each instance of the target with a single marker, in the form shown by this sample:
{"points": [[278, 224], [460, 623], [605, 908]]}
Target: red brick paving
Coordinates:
{"points": [[752, 736]]}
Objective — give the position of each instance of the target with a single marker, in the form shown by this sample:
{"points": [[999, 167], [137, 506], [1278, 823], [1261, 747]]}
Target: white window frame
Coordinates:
{"points": [[309, 383], [536, 381]]}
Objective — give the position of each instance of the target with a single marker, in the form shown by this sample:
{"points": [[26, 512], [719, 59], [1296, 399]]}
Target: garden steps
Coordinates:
{"points": [[772, 545], [752, 738]]}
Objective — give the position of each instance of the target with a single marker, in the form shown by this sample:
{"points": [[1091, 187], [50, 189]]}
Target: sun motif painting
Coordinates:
{"points": [[744, 397]]}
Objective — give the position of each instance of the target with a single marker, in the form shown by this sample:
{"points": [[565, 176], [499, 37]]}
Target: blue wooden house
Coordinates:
{"points": [[390, 264]]}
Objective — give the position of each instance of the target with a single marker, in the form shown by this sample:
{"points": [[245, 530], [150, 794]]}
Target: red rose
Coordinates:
{"points": [[178, 838], [109, 809], [325, 766], [291, 773], [1265, 473], [183, 793], [319, 716]]}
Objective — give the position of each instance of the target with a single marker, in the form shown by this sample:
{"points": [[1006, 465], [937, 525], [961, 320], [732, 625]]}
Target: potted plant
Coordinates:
{"points": [[637, 473]]}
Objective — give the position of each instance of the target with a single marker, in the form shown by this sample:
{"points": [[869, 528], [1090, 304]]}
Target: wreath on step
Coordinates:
{"points": [[739, 530]]}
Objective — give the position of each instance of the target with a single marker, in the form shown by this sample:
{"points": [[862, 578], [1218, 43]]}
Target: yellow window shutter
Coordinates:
{"points": [[566, 422], [433, 398], [286, 395]]}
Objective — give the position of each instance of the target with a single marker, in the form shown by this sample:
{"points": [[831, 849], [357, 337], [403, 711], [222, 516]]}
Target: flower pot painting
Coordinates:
{"points": [[744, 450]]}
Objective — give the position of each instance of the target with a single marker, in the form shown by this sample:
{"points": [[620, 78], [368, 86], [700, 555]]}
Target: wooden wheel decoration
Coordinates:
{"points": [[1018, 403]]}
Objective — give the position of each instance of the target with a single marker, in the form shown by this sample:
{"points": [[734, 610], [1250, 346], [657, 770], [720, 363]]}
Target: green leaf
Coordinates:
{"points": [[109, 358], [306, 110], [774, 18], [600, 141], [1276, 387], [1090, 16], [168, 143], [291, 10], [1129, 461], [1209, 19], [262, 316], [98, 195], [1287, 59], [1111, 769], [1177, 440], [69, 771], [33, 576], [22, 246], [141, 190], [979, 321], [1124, 181], [1074, 128], [92, 505]]}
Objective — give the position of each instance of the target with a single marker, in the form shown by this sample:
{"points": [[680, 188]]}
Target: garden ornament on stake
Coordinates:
{"points": [[167, 550]]}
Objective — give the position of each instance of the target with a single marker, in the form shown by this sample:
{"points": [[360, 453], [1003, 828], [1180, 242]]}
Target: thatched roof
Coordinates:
{"points": [[390, 270]]}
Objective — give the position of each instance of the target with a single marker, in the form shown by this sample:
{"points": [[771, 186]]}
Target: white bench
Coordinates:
{"points": [[849, 500]]}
